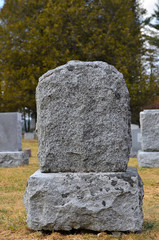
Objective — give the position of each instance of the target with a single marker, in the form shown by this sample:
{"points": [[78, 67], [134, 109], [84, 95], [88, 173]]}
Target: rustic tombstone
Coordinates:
{"points": [[11, 154], [83, 111], [149, 155], [83, 124]]}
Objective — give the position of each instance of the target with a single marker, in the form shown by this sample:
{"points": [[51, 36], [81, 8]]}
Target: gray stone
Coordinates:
{"points": [[149, 120], [92, 201], [10, 132], [136, 141], [11, 141], [28, 150], [29, 135], [13, 159], [32, 124], [83, 119], [149, 156], [134, 126], [148, 159], [83, 122]]}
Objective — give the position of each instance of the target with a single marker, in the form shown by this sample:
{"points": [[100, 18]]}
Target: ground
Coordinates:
{"points": [[13, 216]]}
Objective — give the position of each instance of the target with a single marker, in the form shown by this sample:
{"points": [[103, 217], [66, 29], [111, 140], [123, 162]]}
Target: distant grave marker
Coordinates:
{"points": [[10, 132], [149, 155], [11, 154], [29, 135], [136, 140]]}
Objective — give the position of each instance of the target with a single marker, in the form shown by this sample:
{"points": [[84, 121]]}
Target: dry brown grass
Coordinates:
{"points": [[13, 217]]}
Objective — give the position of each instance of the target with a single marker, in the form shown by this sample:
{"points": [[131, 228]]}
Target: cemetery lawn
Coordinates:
{"points": [[13, 217]]}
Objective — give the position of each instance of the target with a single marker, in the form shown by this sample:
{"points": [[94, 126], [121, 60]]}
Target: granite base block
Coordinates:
{"points": [[13, 159], [148, 159], [91, 201]]}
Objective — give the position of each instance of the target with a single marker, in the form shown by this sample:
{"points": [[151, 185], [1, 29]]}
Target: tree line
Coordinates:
{"points": [[36, 36]]}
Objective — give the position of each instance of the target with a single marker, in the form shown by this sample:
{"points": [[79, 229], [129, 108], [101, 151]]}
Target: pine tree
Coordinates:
{"points": [[36, 36], [152, 59]]}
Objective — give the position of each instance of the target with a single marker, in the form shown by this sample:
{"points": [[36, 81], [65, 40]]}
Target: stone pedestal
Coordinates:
{"points": [[11, 154], [92, 201], [148, 159], [83, 126], [13, 159], [149, 154]]}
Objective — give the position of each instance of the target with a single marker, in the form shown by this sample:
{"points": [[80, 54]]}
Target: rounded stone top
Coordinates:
{"points": [[83, 118], [71, 65]]}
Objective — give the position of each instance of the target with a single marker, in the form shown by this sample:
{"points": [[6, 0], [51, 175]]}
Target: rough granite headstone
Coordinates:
{"points": [[83, 121], [149, 154], [11, 154]]}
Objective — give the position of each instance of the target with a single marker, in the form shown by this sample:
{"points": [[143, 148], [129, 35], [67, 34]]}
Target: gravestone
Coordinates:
{"points": [[28, 150], [29, 135], [10, 132], [83, 127], [83, 111], [11, 154], [149, 155], [136, 140], [32, 123]]}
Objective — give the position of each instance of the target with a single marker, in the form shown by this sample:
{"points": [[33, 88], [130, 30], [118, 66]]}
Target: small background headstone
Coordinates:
{"points": [[136, 140], [28, 150], [149, 154], [29, 135], [11, 154]]}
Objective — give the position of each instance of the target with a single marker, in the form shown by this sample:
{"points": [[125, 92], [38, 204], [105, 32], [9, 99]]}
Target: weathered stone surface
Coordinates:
{"points": [[136, 141], [13, 159], [148, 159], [10, 132], [149, 120], [83, 119], [29, 135], [93, 201], [28, 150]]}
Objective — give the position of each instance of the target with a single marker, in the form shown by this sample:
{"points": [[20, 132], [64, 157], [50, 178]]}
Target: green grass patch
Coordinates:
{"points": [[13, 216]]}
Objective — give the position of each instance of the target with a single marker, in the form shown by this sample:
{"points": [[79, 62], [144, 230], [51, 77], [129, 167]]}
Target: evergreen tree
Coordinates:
{"points": [[154, 40], [153, 50], [36, 36]]}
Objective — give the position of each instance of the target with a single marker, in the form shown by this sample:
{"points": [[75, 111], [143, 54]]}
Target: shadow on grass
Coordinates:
{"points": [[71, 232], [149, 225]]}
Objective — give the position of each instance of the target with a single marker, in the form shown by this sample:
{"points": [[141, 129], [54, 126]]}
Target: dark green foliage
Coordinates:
{"points": [[152, 52], [37, 35]]}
